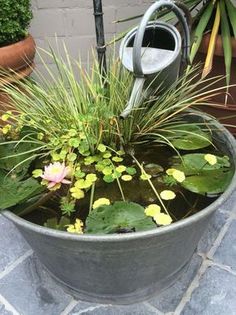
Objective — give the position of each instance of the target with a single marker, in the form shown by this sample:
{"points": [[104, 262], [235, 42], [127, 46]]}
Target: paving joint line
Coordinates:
{"points": [[92, 308], [8, 306], [217, 264], [69, 307], [153, 308], [17, 262], [219, 238], [207, 261], [194, 285], [223, 267]]}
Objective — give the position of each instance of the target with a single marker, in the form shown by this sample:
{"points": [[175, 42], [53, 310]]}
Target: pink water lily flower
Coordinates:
{"points": [[55, 173]]}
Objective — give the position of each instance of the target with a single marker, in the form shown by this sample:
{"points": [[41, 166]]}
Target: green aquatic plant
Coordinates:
{"points": [[64, 139]]}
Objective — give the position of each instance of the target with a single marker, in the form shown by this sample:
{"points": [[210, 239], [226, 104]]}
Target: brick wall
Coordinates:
{"points": [[72, 22]]}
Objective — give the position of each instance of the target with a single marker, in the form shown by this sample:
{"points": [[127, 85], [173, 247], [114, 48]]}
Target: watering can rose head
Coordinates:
{"points": [[56, 173]]}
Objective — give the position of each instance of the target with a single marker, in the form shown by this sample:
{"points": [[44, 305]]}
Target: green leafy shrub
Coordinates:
{"points": [[15, 17]]}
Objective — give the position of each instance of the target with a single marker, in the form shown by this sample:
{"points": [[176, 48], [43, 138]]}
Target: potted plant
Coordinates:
{"points": [[113, 208], [214, 44], [17, 46]]}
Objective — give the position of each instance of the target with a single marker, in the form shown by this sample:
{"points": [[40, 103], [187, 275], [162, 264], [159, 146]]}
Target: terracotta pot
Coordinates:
{"points": [[219, 51], [19, 58], [19, 55], [226, 113]]}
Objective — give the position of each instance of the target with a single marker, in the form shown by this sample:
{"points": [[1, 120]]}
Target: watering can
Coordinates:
{"points": [[154, 52]]}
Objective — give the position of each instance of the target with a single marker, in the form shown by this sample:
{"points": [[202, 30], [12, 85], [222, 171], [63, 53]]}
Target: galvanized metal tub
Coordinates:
{"points": [[124, 268]]}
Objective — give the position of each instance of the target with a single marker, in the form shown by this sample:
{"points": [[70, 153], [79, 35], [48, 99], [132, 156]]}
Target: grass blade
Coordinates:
{"points": [[211, 48], [226, 40], [231, 10], [200, 29]]}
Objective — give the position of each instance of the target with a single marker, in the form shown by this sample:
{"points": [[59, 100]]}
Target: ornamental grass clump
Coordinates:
{"points": [[66, 153]]}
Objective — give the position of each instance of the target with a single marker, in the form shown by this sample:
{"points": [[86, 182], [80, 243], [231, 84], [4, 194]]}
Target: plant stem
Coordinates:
{"points": [[91, 197], [37, 204], [158, 196], [118, 183], [151, 184], [121, 190]]}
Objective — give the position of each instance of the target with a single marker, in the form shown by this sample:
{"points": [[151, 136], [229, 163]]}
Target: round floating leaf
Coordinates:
{"points": [[63, 154], [37, 173], [107, 170], [89, 160], [120, 168], [117, 218], [71, 157], [192, 141], [21, 154], [83, 183], [116, 174], [209, 182], [107, 155], [16, 192], [203, 178], [74, 142], [197, 162], [101, 147], [117, 159], [79, 174], [108, 179], [55, 156], [126, 178], [190, 137], [131, 170]]}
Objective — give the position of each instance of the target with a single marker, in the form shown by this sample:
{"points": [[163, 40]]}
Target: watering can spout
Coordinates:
{"points": [[135, 98]]}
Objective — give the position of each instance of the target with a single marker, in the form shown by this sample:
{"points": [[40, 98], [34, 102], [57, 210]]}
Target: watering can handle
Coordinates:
{"points": [[178, 10]]}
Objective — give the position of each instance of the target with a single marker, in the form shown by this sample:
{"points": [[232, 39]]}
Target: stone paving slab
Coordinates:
{"points": [[12, 244], [226, 252], [208, 287], [230, 204], [31, 291], [218, 221], [215, 294], [169, 299], [136, 309], [3, 310]]}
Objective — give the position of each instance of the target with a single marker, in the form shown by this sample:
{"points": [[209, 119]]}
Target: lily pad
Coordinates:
{"points": [[209, 182], [192, 139], [201, 177], [196, 162], [12, 155], [16, 191], [118, 218]]}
